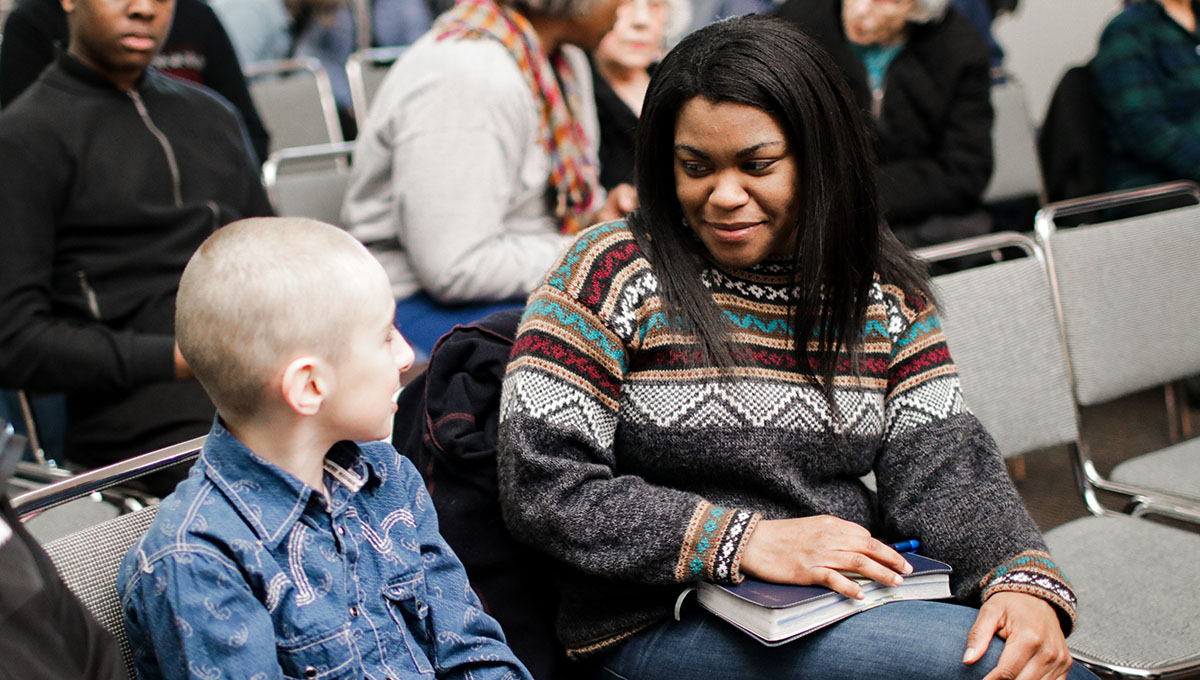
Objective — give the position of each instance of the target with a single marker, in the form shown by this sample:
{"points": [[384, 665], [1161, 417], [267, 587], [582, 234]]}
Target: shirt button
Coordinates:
{"points": [[341, 531], [310, 672], [354, 611]]}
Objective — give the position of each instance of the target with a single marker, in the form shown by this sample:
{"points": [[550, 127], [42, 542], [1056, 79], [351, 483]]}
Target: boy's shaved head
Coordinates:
{"points": [[262, 291]]}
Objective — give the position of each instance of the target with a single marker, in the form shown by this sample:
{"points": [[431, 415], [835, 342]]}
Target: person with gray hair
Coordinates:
{"points": [[922, 72], [478, 158]]}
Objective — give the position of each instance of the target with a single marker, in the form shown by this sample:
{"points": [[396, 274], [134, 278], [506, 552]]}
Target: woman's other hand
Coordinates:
{"points": [[1034, 646], [814, 550]]}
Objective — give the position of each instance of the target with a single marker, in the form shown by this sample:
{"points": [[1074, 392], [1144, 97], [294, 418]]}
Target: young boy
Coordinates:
{"points": [[290, 550]]}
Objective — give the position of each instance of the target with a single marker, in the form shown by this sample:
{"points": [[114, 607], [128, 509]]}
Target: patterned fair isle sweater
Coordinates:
{"points": [[625, 457]]}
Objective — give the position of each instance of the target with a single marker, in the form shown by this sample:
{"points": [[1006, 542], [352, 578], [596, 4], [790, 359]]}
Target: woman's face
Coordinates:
{"points": [[735, 177], [876, 22], [636, 40]]}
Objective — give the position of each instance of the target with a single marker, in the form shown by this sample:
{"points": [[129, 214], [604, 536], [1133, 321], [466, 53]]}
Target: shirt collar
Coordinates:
{"points": [[270, 499]]}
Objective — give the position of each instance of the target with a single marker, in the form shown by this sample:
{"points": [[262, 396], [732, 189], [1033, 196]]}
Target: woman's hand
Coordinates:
{"points": [[811, 551], [1034, 646]]}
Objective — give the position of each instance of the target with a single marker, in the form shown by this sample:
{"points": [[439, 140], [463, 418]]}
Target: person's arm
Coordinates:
{"points": [[457, 160], [38, 349], [28, 47], [223, 73], [191, 615], [942, 480], [468, 643], [560, 489], [951, 178], [1131, 92]]}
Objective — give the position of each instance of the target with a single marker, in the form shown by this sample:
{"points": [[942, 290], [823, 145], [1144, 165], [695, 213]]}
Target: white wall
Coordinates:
{"points": [[1044, 38]]}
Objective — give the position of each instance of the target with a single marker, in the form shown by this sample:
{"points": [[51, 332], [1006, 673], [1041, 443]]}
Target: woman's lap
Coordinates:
{"points": [[898, 640]]}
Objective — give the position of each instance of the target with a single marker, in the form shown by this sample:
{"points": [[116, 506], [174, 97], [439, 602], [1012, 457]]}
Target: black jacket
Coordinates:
{"points": [[106, 194], [197, 49], [933, 135], [448, 425]]}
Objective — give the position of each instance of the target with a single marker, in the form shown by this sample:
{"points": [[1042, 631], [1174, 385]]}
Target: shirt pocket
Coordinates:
{"points": [[405, 598], [327, 656]]}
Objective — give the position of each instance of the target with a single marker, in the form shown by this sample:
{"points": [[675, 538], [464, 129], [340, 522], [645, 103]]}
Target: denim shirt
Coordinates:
{"points": [[247, 572]]}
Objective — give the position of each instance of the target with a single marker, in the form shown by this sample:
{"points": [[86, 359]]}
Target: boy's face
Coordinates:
{"points": [[118, 38], [367, 376]]}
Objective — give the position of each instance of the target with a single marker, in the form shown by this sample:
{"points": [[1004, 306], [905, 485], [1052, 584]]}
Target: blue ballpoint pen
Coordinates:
{"points": [[906, 546]]}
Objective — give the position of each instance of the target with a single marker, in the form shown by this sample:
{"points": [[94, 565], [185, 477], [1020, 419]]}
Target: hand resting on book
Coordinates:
{"points": [[810, 551]]}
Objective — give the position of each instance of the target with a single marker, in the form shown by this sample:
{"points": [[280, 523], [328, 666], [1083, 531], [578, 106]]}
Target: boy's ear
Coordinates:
{"points": [[304, 385]]}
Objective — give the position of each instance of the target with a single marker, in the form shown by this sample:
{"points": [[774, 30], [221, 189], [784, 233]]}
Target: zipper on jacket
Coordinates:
{"points": [[162, 139], [89, 295]]}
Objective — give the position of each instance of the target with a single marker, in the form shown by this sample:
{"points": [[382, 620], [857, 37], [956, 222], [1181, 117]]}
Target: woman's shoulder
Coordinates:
{"points": [[601, 263]]}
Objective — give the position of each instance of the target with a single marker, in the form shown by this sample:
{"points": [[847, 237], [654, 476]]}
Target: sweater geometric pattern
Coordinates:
{"points": [[624, 452]]}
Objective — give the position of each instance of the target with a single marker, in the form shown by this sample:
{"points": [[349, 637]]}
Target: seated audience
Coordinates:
{"points": [[197, 49], [479, 156], [1146, 76], [662, 423], [981, 14], [291, 550], [621, 68], [921, 71], [112, 174]]}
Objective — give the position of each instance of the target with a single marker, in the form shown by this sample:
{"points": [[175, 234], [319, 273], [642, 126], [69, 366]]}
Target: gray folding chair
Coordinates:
{"points": [[1137, 581], [309, 181], [295, 100], [365, 70], [88, 560], [1127, 294], [1017, 172]]}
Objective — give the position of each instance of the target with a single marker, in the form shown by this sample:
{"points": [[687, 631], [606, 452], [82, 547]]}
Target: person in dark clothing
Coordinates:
{"points": [[922, 72], [197, 49], [113, 174], [45, 633]]}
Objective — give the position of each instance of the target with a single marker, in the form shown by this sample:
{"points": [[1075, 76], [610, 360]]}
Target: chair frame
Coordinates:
{"points": [[339, 151], [1140, 501], [355, 64], [312, 66]]}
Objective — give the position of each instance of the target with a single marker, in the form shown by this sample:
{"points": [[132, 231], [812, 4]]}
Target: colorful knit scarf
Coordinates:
{"points": [[573, 171]]}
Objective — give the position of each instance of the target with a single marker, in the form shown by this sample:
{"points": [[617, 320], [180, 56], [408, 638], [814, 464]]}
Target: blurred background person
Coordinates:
{"points": [[922, 72], [621, 68], [1146, 76], [197, 50], [479, 157]]}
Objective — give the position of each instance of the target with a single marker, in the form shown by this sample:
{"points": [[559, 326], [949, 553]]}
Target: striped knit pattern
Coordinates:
{"points": [[624, 452], [574, 173], [1035, 573]]}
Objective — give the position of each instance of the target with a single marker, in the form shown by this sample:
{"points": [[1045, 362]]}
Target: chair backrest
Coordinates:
{"points": [[295, 99], [1003, 333], [365, 69], [1017, 172], [1127, 291], [309, 181], [88, 562]]}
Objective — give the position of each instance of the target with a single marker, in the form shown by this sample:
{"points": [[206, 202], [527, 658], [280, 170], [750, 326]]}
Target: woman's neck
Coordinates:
{"points": [[630, 84], [1181, 12]]}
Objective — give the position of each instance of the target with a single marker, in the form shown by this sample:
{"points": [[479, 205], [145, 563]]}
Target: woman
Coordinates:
{"points": [[621, 68], [478, 153], [659, 426], [922, 71]]}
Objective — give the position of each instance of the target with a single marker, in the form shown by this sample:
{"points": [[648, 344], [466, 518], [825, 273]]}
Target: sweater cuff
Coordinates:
{"points": [[152, 359], [1034, 573], [714, 542]]}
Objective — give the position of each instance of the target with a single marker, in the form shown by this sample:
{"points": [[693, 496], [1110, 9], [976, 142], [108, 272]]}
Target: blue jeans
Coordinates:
{"points": [[898, 640]]}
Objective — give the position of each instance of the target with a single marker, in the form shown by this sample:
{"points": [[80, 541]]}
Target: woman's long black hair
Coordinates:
{"points": [[841, 238]]}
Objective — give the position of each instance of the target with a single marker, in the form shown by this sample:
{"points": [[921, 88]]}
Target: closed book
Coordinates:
{"points": [[774, 613]]}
